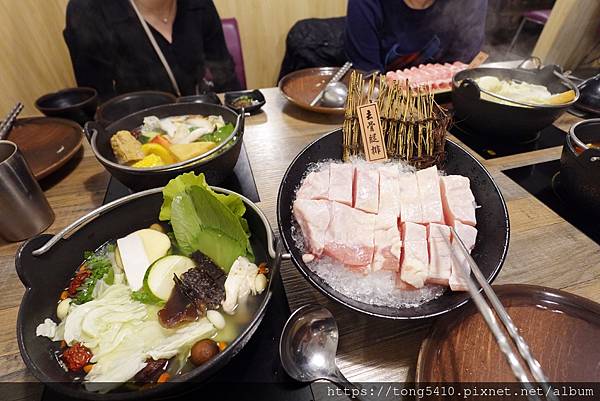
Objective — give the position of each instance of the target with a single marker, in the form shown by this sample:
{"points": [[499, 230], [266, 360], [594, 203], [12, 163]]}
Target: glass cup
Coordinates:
{"points": [[24, 210]]}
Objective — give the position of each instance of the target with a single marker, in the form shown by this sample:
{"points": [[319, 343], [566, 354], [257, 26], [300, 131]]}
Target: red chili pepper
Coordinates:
{"points": [[76, 357], [76, 281]]}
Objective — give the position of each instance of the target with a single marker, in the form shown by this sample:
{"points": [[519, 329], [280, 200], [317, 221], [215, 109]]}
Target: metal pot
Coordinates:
{"points": [[579, 178], [46, 263], [217, 164], [590, 95], [492, 225], [502, 121]]}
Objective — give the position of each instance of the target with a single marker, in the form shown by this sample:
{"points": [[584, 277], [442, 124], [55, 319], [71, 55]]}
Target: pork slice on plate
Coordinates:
{"points": [[440, 254], [388, 246], [410, 204], [414, 267], [460, 266], [315, 185], [341, 177], [366, 188], [403, 285], [313, 216], [458, 200], [428, 181], [349, 236], [389, 190]]}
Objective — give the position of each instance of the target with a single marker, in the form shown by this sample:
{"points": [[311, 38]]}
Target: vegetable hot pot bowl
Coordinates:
{"points": [[46, 275], [507, 122], [217, 164]]}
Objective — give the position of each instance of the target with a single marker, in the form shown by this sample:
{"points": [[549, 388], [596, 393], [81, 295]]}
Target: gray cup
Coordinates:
{"points": [[24, 210]]}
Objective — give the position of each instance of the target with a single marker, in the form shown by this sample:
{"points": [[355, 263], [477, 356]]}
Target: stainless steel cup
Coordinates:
{"points": [[24, 210]]}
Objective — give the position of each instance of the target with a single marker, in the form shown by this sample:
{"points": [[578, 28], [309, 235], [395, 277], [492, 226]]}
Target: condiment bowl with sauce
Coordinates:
{"points": [[250, 101]]}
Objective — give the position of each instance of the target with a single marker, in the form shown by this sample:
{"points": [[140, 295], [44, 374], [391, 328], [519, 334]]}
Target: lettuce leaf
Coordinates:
{"points": [[188, 180], [202, 222]]}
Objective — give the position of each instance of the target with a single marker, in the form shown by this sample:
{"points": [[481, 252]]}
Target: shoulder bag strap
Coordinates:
{"points": [[159, 52]]}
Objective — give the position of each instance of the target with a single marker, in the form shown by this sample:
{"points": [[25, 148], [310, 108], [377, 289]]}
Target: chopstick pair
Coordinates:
{"points": [[8, 122], [490, 319]]}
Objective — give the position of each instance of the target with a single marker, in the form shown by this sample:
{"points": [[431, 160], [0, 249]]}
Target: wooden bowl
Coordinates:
{"points": [[46, 143], [561, 329], [302, 86]]}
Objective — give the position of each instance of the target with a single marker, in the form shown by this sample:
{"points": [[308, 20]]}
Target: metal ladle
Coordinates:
{"points": [[308, 346], [336, 93]]}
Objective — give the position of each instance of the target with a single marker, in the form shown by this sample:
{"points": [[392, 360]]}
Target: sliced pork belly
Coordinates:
{"points": [[410, 204], [366, 188], [389, 190], [349, 236], [388, 245], [403, 285], [428, 181], [414, 267], [440, 254], [458, 200], [313, 216], [315, 185], [468, 235], [340, 182]]}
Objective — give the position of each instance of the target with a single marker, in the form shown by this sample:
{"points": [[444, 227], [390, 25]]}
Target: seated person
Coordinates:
{"points": [[389, 35], [111, 52]]}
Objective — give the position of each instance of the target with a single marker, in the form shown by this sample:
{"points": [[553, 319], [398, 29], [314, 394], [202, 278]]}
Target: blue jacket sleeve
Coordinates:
{"points": [[363, 21]]}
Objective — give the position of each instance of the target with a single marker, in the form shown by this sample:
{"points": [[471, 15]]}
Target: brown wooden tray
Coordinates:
{"points": [[47, 143], [561, 329]]}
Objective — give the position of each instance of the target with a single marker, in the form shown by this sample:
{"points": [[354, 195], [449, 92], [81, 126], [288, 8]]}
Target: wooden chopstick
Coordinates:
{"points": [[488, 315]]}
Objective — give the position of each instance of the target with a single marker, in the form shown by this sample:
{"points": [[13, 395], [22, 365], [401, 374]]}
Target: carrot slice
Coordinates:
{"points": [[163, 378]]}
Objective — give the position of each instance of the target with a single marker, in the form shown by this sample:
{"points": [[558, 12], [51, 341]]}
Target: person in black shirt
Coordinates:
{"points": [[111, 52]]}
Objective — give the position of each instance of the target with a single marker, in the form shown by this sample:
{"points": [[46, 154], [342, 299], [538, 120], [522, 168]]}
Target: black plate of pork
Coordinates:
{"points": [[59, 257], [488, 219]]}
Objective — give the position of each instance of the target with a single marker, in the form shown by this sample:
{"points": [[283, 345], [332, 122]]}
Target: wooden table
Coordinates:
{"points": [[544, 249]]}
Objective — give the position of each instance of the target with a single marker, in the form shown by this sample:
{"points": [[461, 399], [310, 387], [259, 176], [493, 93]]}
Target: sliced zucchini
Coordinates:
{"points": [[160, 275]]}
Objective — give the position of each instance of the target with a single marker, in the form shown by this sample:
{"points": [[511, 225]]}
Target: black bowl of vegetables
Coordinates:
{"points": [[147, 293], [148, 148]]}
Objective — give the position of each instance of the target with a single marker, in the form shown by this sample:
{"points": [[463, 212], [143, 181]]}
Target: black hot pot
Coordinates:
{"points": [[46, 263], [492, 224], [579, 178], [216, 164], [503, 121]]}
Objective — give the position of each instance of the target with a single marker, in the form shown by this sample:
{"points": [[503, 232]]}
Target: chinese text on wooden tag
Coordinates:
{"points": [[370, 128]]}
